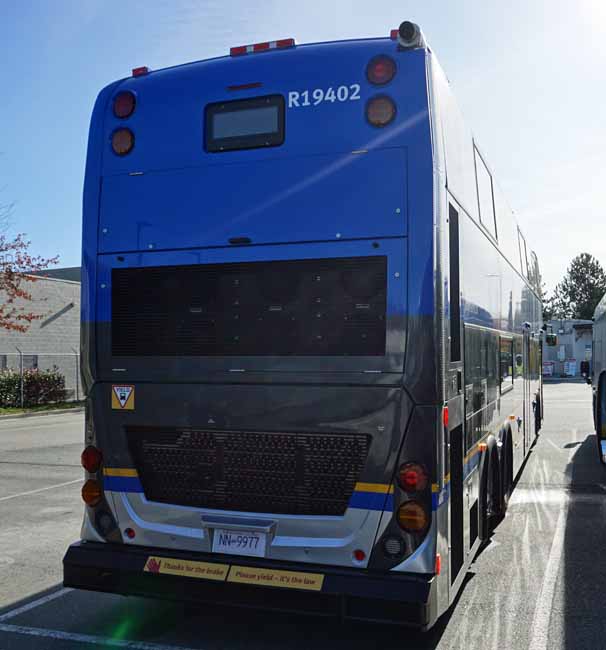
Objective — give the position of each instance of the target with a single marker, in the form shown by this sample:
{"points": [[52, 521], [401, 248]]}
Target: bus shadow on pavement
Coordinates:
{"points": [[211, 627], [581, 602]]}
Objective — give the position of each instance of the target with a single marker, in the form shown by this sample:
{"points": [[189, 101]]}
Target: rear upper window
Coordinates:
{"points": [[245, 124]]}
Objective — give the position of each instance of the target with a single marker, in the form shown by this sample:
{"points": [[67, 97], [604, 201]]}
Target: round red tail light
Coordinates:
{"points": [[124, 104], [123, 141], [91, 459], [381, 70], [380, 111], [412, 477]]}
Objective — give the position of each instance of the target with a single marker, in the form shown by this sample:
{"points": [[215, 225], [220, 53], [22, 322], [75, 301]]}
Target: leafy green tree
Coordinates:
{"points": [[580, 290]]}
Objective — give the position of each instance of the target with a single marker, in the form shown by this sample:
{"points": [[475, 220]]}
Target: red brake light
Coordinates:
{"points": [[124, 104], [445, 416], [412, 477], [381, 70], [380, 111], [123, 141], [91, 459]]}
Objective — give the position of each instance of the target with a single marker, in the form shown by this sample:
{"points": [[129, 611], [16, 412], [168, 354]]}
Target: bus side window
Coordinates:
{"points": [[518, 358], [454, 285], [506, 363]]}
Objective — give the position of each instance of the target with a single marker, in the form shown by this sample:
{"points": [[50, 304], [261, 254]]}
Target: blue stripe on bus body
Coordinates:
{"points": [[362, 500], [371, 501], [122, 484]]}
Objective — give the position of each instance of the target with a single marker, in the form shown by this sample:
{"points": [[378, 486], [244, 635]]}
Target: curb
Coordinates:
{"points": [[18, 416]]}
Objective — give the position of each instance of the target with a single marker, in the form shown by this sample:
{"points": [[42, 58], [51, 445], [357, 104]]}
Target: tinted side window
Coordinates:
{"points": [[506, 363], [485, 195]]}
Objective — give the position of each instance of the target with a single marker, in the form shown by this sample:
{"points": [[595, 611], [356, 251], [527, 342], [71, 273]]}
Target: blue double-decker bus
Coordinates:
{"points": [[310, 334]]}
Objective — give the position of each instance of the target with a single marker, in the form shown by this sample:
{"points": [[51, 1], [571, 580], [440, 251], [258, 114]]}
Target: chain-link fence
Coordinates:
{"points": [[66, 363]]}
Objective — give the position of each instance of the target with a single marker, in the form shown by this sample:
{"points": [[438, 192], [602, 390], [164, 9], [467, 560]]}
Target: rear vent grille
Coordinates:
{"points": [[280, 473], [320, 307]]}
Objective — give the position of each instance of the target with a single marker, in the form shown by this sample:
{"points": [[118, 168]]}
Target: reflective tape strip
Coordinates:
{"points": [[381, 488], [119, 471]]}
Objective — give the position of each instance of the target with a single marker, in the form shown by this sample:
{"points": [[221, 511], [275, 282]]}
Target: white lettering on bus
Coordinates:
{"points": [[316, 96], [293, 98]]}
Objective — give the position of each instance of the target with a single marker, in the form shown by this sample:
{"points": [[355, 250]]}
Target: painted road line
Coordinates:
{"points": [[34, 603], [542, 612], [87, 638], [50, 487]]}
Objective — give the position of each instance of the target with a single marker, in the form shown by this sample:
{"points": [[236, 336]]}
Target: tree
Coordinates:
{"points": [[16, 265], [580, 290]]}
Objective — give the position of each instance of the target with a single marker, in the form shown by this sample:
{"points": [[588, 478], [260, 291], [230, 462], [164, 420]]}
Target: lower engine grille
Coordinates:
{"points": [[281, 473]]}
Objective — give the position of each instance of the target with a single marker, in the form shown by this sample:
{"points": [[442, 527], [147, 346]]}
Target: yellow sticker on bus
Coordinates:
{"points": [[240, 574], [123, 397], [186, 568], [269, 578]]}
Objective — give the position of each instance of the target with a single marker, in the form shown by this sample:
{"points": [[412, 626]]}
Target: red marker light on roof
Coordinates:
{"points": [[261, 47], [139, 72], [393, 34]]}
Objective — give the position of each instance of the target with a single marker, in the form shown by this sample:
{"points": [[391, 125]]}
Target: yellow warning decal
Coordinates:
{"points": [[186, 568], [269, 578], [123, 397]]}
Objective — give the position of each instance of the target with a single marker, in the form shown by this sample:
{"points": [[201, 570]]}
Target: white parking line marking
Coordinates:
{"points": [[542, 612], [34, 603], [87, 638], [50, 487]]}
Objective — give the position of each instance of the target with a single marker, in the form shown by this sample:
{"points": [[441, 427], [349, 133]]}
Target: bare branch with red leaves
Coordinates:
{"points": [[16, 267]]}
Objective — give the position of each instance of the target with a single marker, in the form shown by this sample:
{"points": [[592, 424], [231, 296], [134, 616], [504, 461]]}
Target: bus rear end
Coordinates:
{"points": [[258, 333]]}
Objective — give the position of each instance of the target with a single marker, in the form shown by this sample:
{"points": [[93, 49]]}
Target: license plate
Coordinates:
{"points": [[239, 542]]}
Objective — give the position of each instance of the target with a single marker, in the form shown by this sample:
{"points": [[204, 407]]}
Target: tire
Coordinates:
{"points": [[490, 499], [506, 471]]}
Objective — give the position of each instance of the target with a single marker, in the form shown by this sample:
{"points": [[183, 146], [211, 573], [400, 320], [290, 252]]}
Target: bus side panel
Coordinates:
{"points": [[90, 233]]}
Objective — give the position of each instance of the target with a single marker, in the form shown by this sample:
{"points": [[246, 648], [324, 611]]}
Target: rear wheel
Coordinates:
{"points": [[506, 471], [491, 506]]}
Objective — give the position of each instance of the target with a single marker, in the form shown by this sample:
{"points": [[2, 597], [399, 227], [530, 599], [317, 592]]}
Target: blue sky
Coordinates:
{"points": [[529, 75]]}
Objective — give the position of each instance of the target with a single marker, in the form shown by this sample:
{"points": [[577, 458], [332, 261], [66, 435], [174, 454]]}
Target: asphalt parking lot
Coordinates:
{"points": [[538, 584]]}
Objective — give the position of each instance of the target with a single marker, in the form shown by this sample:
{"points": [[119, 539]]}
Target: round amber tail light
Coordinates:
{"points": [[123, 141], [380, 111], [412, 517], [91, 492]]}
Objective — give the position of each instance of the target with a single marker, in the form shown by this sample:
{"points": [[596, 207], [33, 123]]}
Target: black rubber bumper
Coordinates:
{"points": [[347, 593]]}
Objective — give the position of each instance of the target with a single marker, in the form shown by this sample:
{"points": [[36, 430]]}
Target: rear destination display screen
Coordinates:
{"points": [[245, 124]]}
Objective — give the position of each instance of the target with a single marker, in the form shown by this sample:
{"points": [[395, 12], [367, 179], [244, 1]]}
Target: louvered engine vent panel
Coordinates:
{"points": [[323, 307], [280, 473]]}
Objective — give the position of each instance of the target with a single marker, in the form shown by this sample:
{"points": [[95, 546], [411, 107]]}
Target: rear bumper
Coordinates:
{"points": [[348, 593]]}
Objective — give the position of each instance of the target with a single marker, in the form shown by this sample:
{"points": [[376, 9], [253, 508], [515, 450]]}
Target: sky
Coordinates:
{"points": [[528, 74]]}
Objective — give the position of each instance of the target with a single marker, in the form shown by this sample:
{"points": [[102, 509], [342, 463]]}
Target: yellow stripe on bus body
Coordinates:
{"points": [[119, 471], [381, 488]]}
